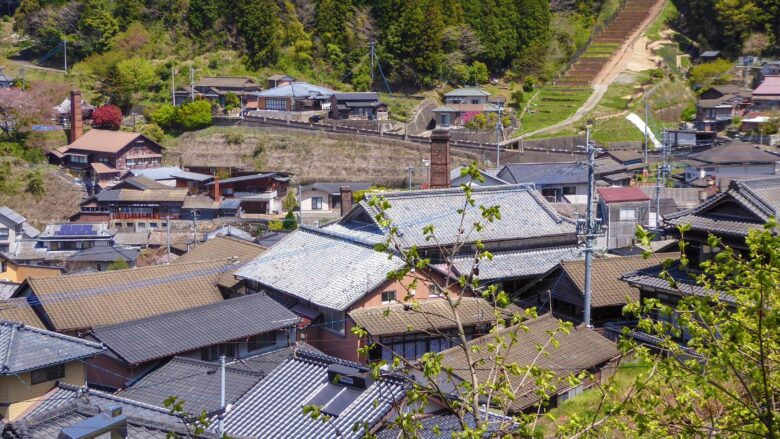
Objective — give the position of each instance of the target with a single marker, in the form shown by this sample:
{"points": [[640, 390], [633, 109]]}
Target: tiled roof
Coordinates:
{"points": [[102, 168], [273, 408], [524, 214], [194, 381], [334, 188], [735, 152], [607, 287], [322, 268], [358, 96], [445, 425], [30, 231], [545, 173], [194, 176], [231, 231], [242, 178], [759, 197], [104, 141], [7, 289], [297, 90], [580, 349], [24, 348], [622, 194], [105, 254], [67, 405], [132, 238], [430, 315], [164, 173], [223, 248], [147, 194], [17, 310], [165, 335], [269, 361], [12, 215], [515, 264], [86, 301], [227, 81], [650, 278]]}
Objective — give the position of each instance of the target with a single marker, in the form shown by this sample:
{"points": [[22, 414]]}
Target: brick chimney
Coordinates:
{"points": [[440, 159], [346, 199], [217, 193], [76, 124]]}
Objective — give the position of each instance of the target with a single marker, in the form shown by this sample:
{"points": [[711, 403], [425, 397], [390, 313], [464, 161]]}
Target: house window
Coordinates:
{"points": [[475, 101], [276, 104], [388, 296], [627, 214], [434, 290], [212, 353], [4, 232], [47, 374], [569, 190], [333, 320], [78, 159], [316, 203], [227, 191], [261, 341]]}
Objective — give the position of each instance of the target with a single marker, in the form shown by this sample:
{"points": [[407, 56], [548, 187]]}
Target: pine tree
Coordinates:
{"points": [[259, 26]]}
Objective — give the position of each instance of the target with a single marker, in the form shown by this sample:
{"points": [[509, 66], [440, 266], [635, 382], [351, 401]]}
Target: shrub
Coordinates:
{"points": [[478, 73], [689, 113], [35, 184], [528, 84], [163, 116], [153, 131], [118, 265], [231, 101], [289, 221], [107, 117], [194, 115], [275, 226], [234, 137]]}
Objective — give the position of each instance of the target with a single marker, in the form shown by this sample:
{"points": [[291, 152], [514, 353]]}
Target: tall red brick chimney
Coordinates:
{"points": [[346, 199], [76, 124], [440, 159], [217, 193]]}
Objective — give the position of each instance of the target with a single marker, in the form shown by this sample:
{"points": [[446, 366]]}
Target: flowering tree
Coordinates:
{"points": [[20, 110], [108, 117]]}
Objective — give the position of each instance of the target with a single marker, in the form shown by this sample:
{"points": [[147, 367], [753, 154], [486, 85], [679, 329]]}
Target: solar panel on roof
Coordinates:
{"points": [[75, 230]]}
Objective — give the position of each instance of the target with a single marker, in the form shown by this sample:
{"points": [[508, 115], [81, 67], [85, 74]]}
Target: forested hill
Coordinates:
{"points": [[737, 27], [419, 42]]}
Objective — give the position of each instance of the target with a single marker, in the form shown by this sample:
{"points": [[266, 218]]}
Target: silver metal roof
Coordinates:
{"points": [[508, 265], [12, 215], [324, 268]]}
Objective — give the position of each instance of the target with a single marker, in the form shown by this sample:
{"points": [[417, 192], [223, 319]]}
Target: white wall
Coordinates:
{"points": [[307, 195], [692, 173]]}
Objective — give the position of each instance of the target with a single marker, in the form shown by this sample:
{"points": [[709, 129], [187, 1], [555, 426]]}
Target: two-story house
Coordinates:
{"points": [[461, 105], [719, 104], [733, 160], [116, 152], [554, 180], [622, 209], [33, 361], [259, 193], [767, 95], [14, 228], [216, 88]]}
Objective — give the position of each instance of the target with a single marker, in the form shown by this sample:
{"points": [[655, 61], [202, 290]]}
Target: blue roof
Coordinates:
{"points": [[542, 174], [297, 90], [158, 173]]}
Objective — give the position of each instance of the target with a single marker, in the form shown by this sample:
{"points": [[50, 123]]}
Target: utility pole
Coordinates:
{"points": [[410, 169], [192, 84], [65, 54], [499, 135], [194, 228], [168, 237], [173, 86], [663, 172], [589, 227], [371, 51], [646, 134], [221, 426]]}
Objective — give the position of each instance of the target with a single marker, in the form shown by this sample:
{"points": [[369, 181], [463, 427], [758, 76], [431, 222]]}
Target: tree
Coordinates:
{"points": [[128, 11], [290, 202], [231, 101], [259, 27], [119, 264], [723, 380], [702, 76], [35, 184], [153, 131], [136, 74], [289, 222], [415, 41], [164, 116], [434, 381], [194, 115], [20, 110], [478, 73], [107, 117], [97, 26]]}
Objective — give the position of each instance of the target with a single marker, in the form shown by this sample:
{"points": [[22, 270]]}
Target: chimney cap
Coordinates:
{"points": [[440, 134]]}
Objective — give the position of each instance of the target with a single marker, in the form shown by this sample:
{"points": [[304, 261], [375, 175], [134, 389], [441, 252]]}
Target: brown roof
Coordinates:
{"points": [[608, 289], [223, 248], [102, 168], [85, 301], [103, 140], [579, 350], [17, 310], [226, 81], [622, 194], [430, 315]]}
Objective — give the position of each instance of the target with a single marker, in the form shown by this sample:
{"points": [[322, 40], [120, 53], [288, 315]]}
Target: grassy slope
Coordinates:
{"points": [[552, 105], [311, 157]]}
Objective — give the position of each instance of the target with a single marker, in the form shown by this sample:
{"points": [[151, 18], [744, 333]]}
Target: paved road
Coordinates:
{"points": [[28, 65]]}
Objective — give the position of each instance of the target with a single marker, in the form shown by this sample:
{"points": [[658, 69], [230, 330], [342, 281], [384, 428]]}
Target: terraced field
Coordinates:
{"points": [[552, 105]]}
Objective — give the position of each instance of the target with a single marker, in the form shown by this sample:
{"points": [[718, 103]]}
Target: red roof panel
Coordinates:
{"points": [[622, 194]]}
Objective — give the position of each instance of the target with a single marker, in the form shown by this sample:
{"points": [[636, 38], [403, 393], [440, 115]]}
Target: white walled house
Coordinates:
{"points": [[325, 197], [730, 161]]}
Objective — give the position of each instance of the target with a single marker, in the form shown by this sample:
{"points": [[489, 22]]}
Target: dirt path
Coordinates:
{"points": [[634, 48]]}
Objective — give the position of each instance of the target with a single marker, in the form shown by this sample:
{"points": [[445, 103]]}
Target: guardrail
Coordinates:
{"points": [[326, 128]]}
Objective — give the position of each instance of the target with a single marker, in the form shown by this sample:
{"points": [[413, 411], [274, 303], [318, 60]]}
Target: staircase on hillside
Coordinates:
{"points": [[598, 54]]}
